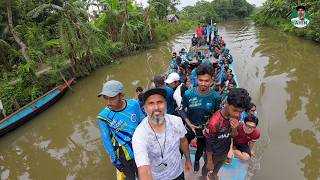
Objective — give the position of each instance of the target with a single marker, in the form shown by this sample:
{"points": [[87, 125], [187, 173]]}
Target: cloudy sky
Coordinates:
{"points": [[192, 2]]}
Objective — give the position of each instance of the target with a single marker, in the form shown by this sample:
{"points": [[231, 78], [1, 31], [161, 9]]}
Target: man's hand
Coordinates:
{"points": [[234, 123], [193, 127], [188, 165], [230, 154]]}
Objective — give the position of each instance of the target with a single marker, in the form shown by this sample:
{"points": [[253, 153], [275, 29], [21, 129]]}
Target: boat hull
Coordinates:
{"points": [[53, 96]]}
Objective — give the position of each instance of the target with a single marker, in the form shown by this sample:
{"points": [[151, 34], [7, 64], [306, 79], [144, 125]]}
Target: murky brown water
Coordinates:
{"points": [[281, 73], [279, 70]]}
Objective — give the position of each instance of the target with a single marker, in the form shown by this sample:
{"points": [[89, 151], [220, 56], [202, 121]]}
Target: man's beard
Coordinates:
{"points": [[203, 88], [157, 120]]}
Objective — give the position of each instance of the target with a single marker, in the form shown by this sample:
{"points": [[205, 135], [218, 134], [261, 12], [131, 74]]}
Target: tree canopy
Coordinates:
{"points": [[43, 42], [218, 9]]}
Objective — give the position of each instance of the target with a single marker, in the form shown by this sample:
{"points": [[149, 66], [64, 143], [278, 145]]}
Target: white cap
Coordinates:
{"points": [[172, 77]]}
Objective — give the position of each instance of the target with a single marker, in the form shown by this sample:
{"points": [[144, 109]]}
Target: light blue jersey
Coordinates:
{"points": [[207, 61], [117, 129]]}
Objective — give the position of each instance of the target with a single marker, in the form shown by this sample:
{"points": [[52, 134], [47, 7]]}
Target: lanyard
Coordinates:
{"points": [[165, 137]]}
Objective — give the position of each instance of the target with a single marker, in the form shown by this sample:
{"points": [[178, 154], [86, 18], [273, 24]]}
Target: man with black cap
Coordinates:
{"points": [[157, 140], [117, 123], [301, 21]]}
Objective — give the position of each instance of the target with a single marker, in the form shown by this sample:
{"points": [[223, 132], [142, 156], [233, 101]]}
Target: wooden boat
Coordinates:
{"points": [[237, 170], [35, 107]]}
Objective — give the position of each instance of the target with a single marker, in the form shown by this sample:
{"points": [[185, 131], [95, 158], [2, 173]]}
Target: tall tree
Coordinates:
{"points": [[24, 48], [161, 7]]}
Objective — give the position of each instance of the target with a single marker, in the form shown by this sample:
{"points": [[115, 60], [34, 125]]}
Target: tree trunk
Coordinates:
{"points": [[126, 35], [147, 20], [23, 46], [2, 111]]}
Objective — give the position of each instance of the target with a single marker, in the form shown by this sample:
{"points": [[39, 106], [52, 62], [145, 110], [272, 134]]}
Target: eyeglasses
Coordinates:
{"points": [[250, 127]]}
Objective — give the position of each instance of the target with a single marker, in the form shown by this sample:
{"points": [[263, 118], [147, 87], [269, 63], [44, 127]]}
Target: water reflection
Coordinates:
{"points": [[280, 72], [298, 60], [307, 138]]}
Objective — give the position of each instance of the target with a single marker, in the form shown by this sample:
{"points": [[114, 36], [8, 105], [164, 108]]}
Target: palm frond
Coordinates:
{"points": [[38, 10]]}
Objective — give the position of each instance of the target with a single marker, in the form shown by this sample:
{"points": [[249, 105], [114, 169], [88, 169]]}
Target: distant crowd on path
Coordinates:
{"points": [[197, 101], [204, 34]]}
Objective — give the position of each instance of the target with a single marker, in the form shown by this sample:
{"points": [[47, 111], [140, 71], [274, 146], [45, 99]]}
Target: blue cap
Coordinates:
{"points": [[111, 88]]}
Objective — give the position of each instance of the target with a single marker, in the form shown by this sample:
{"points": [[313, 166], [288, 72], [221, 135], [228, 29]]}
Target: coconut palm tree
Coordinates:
{"points": [[75, 32]]}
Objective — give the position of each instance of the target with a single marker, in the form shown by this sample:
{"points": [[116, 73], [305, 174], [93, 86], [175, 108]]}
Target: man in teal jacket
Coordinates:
{"points": [[117, 123]]}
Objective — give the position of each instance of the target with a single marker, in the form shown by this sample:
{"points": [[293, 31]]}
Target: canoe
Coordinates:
{"points": [[35, 107]]}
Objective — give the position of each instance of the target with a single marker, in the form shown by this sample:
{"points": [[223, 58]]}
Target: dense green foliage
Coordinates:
{"points": [[164, 7], [45, 42], [218, 9], [276, 13]]}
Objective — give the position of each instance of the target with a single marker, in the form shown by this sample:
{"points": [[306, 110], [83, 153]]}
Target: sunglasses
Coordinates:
{"points": [[250, 127]]}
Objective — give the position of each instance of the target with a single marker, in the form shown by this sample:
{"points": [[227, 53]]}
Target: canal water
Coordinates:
{"points": [[279, 70]]}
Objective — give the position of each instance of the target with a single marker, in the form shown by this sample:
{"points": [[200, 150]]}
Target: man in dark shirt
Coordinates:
{"points": [[194, 40], [197, 106], [221, 126]]}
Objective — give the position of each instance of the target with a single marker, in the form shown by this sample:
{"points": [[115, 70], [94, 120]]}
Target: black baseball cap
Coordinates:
{"points": [[153, 91]]}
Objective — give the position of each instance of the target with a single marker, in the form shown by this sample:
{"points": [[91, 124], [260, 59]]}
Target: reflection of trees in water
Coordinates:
{"points": [[312, 161], [64, 152], [300, 61], [244, 30]]}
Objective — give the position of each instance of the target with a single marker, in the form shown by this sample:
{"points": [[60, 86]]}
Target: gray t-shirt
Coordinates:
{"points": [[147, 150]]}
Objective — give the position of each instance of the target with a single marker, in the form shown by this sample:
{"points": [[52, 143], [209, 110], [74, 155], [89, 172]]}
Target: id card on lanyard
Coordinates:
{"points": [[162, 166]]}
